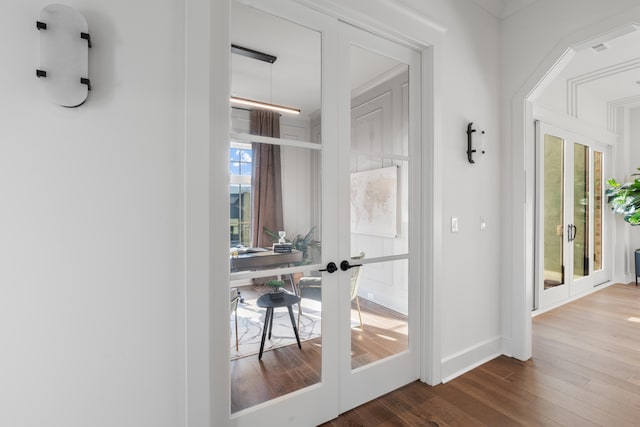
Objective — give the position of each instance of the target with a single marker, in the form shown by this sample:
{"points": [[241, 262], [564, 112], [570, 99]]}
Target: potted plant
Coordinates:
{"points": [[625, 201], [275, 285]]}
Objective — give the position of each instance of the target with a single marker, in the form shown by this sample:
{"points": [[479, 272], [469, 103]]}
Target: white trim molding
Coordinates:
{"points": [[470, 358]]}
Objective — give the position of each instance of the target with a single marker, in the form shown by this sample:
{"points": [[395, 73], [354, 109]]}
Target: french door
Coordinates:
{"points": [[350, 173], [572, 234], [378, 210]]}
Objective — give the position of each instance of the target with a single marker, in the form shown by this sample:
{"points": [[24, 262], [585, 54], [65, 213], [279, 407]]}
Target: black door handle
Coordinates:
{"points": [[575, 231], [331, 268], [345, 265]]}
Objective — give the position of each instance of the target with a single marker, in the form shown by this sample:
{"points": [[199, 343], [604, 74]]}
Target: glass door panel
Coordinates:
{"points": [[276, 316], [379, 182], [597, 210], [581, 211], [379, 318], [554, 226]]}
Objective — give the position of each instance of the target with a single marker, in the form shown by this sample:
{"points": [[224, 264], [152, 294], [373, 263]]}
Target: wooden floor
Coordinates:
{"points": [[585, 371], [254, 381]]}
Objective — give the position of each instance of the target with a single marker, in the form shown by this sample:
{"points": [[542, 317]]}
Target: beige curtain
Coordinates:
{"points": [[266, 181]]}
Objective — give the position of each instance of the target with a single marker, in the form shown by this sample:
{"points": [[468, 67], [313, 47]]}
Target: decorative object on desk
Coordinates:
{"points": [[282, 248], [625, 199], [305, 244], [282, 235]]}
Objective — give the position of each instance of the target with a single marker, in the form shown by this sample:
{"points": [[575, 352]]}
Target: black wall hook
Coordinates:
{"points": [[87, 37]]}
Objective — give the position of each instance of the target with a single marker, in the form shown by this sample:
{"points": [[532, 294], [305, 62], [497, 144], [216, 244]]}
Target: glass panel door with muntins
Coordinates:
{"points": [[348, 177], [380, 102]]}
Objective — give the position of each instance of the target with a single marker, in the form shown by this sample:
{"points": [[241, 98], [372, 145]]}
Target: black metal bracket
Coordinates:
{"points": [[86, 81], [41, 25], [41, 73], [470, 152], [87, 37]]}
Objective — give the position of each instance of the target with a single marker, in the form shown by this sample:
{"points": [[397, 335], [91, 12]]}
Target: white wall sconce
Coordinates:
{"points": [[64, 55], [475, 143]]}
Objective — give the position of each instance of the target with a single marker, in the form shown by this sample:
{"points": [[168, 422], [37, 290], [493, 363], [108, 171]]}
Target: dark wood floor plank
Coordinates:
{"points": [[287, 369], [585, 371]]}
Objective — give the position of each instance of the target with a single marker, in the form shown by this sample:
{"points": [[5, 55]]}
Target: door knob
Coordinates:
{"points": [[331, 268], [345, 265]]}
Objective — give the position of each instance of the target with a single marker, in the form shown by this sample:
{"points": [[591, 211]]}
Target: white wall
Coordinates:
{"points": [[470, 259], [91, 224], [532, 41]]}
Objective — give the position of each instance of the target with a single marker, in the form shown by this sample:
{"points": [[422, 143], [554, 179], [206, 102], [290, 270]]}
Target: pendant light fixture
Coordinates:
{"points": [[265, 57]]}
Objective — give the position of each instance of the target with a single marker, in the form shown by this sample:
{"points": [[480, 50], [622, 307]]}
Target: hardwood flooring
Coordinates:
{"points": [[585, 371], [254, 381]]}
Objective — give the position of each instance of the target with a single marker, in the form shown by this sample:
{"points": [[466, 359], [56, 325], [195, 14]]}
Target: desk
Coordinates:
{"points": [[263, 260], [284, 300]]}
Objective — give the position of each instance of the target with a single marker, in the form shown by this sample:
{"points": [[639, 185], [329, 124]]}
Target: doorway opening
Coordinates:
{"points": [[585, 104]]}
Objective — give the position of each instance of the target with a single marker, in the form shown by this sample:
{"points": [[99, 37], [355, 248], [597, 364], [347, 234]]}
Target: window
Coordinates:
{"points": [[240, 166]]}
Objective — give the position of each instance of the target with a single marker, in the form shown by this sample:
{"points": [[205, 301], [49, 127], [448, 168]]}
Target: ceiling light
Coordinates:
{"points": [[268, 106], [254, 54]]}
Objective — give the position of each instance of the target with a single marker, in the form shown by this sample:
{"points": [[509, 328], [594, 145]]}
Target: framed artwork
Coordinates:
{"points": [[374, 202]]}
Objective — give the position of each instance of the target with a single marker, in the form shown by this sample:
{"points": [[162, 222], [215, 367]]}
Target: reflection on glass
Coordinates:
{"points": [[240, 206], [581, 210], [597, 210], [254, 381], [294, 194], [379, 206], [379, 316], [553, 211]]}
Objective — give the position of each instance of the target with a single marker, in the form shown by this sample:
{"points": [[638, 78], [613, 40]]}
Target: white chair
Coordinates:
{"points": [[311, 286], [234, 297]]}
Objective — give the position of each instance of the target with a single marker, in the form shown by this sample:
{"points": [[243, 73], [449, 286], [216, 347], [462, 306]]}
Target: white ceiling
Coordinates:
{"points": [[503, 8], [610, 77], [294, 79]]}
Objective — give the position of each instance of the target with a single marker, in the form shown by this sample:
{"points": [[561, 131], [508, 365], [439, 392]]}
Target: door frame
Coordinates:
{"points": [[207, 90]]}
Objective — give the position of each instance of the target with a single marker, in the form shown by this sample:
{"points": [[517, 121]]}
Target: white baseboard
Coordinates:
{"points": [[572, 298], [457, 364]]}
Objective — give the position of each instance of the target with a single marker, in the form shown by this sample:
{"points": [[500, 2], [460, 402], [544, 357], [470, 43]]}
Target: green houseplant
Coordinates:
{"points": [[276, 285], [625, 199]]}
